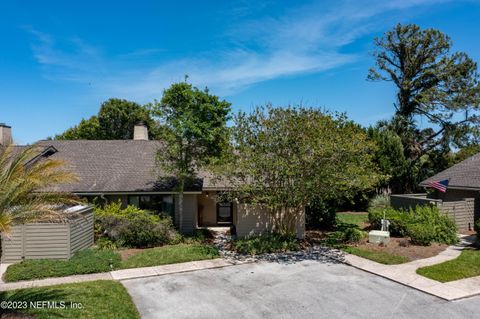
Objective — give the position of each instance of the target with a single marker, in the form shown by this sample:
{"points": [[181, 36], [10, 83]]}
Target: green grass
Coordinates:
{"points": [[379, 257], [83, 262], [349, 218], [170, 255], [99, 299], [94, 261], [464, 266]]}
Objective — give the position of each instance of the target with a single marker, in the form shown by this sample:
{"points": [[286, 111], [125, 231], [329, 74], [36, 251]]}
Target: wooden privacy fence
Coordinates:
{"points": [[55, 240], [461, 211]]}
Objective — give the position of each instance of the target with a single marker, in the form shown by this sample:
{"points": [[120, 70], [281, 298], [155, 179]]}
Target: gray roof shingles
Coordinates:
{"points": [[464, 175], [114, 166]]}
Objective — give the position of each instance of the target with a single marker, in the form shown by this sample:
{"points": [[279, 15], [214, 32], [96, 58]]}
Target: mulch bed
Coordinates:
{"points": [[396, 246], [402, 247]]}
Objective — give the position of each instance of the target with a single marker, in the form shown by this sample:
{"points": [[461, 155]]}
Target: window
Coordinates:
{"points": [[154, 203], [224, 212], [134, 200]]}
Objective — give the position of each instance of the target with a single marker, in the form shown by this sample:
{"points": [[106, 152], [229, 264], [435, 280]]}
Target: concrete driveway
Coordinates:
{"points": [[307, 289]]}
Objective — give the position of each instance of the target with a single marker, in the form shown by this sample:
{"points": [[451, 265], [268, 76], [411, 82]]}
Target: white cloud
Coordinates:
{"points": [[304, 40]]}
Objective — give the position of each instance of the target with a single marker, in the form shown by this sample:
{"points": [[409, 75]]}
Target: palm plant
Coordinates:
{"points": [[27, 186]]}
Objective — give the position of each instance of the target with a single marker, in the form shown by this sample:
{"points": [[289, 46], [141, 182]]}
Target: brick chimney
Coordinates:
{"points": [[5, 135], [140, 132]]}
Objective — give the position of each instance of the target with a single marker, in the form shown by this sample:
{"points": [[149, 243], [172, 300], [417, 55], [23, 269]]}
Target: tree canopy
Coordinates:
{"points": [[194, 131], [435, 87], [285, 158], [115, 121]]}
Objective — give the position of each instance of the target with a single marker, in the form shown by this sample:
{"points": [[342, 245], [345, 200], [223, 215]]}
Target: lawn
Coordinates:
{"points": [[464, 266], [378, 256], [87, 261], [358, 219], [94, 261], [95, 299], [170, 255]]}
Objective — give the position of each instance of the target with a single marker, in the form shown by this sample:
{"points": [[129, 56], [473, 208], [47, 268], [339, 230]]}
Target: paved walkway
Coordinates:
{"points": [[406, 274], [122, 274]]}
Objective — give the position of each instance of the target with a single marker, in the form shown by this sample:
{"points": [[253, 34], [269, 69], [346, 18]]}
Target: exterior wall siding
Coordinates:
{"points": [[12, 246], [48, 240], [253, 220], [207, 210], [462, 212], [81, 232], [190, 212]]}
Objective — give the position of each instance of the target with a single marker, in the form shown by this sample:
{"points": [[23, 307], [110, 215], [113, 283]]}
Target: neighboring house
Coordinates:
{"points": [[462, 198], [126, 171]]}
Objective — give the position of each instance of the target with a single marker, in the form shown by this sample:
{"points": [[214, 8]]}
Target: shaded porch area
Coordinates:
{"points": [[213, 213]]}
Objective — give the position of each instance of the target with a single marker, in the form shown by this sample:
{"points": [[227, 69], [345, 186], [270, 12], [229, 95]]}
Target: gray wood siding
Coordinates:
{"points": [[48, 240], [254, 220], [461, 209], [190, 212], [462, 212], [12, 246], [81, 233]]}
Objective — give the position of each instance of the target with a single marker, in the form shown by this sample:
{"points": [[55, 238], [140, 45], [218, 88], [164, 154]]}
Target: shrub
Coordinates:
{"points": [[320, 215], [353, 235], [399, 220], [379, 202], [335, 239], [443, 229], [421, 234], [345, 233], [104, 243], [133, 227], [268, 243], [424, 224]]}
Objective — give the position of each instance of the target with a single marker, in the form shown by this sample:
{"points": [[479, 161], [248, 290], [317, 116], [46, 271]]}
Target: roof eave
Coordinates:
{"points": [[90, 193], [466, 188]]}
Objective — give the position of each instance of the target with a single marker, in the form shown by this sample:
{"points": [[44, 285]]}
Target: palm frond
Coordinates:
{"points": [[27, 186]]}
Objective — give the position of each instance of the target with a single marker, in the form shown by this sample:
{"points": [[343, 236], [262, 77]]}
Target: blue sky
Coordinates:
{"points": [[60, 59]]}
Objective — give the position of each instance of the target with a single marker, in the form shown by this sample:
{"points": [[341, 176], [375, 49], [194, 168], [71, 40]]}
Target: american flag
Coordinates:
{"points": [[440, 185]]}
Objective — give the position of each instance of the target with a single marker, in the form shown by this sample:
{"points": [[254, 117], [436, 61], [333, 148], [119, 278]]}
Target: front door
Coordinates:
{"points": [[224, 213]]}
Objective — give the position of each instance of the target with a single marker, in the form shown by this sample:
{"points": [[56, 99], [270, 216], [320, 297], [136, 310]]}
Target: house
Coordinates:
{"points": [[126, 171], [462, 198]]}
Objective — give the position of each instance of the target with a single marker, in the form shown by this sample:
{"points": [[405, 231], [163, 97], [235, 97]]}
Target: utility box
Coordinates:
{"points": [[379, 237], [50, 240]]}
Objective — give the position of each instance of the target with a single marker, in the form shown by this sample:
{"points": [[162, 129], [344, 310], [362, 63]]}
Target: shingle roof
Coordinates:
{"points": [[465, 174], [114, 166]]}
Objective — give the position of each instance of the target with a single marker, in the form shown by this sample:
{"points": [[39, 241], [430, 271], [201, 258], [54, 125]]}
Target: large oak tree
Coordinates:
{"points": [[438, 93]]}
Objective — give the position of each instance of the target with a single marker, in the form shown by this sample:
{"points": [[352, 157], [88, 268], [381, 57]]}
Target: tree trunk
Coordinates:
{"points": [[180, 206], [180, 211]]}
